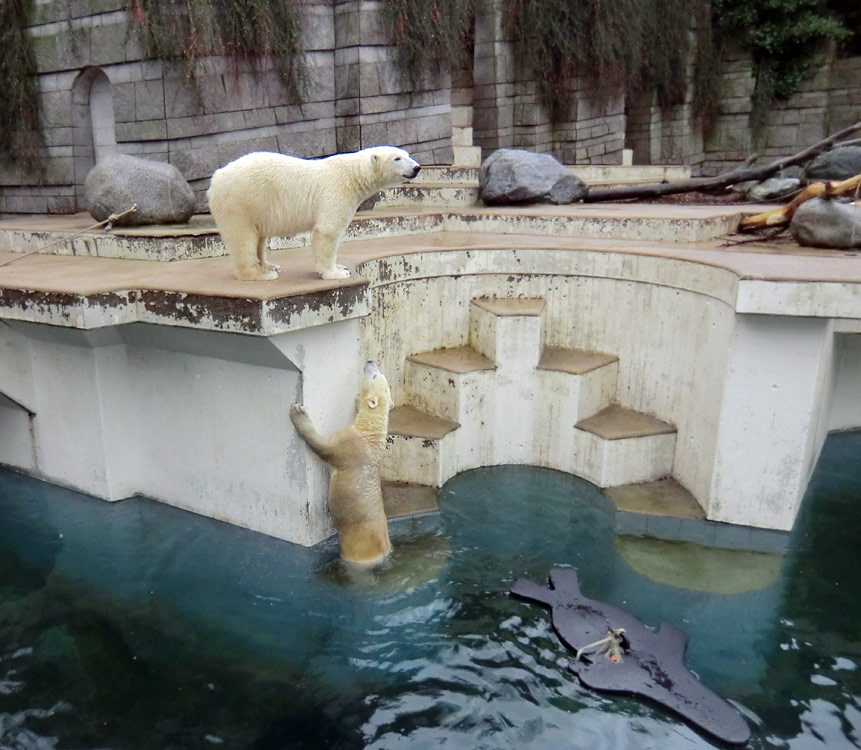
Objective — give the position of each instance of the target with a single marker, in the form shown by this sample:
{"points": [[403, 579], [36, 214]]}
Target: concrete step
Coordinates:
{"points": [[420, 448], [445, 173], [458, 385], [426, 194], [507, 331], [402, 500], [572, 385], [622, 446]]}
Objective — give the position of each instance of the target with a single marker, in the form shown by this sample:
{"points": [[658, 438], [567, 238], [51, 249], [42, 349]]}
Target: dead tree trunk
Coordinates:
{"points": [[739, 174]]}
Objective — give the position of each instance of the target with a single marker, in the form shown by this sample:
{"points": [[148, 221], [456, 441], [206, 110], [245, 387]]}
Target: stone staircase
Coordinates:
{"points": [[505, 398]]}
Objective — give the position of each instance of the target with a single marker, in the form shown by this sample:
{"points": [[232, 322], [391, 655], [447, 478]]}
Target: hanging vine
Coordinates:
{"points": [[430, 34], [638, 44], [184, 31], [20, 118]]}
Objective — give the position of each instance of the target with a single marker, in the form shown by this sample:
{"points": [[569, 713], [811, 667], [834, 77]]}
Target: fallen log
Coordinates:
{"points": [[739, 174], [784, 214]]}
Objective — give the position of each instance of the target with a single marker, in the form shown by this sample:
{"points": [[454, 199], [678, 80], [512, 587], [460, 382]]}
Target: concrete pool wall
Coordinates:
{"points": [[172, 381]]}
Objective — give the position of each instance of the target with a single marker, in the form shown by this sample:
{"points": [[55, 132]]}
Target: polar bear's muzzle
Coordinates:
{"points": [[371, 369], [415, 170]]}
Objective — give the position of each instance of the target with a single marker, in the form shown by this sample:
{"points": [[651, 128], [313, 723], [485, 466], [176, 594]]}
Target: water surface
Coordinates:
{"points": [[136, 625]]}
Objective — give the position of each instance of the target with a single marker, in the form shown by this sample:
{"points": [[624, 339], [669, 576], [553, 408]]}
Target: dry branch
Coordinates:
{"points": [[739, 174], [784, 214]]}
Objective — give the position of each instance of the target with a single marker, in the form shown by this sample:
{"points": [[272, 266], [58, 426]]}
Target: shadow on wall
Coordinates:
{"points": [[94, 132]]}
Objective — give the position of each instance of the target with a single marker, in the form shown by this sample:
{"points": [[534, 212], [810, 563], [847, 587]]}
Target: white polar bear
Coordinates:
{"points": [[263, 195]]}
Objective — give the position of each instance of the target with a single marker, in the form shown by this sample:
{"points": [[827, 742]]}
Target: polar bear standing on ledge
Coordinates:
{"points": [[263, 195], [355, 454]]}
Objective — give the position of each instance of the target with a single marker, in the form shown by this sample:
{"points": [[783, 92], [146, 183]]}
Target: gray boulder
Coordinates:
{"points": [[839, 163], [773, 189], [511, 176], [160, 191], [827, 223]]}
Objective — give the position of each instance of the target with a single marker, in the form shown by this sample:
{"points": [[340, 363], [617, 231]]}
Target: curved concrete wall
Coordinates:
{"points": [[672, 343]]}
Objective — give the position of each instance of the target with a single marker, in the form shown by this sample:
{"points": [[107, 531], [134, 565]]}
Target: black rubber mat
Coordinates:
{"points": [[618, 654]]}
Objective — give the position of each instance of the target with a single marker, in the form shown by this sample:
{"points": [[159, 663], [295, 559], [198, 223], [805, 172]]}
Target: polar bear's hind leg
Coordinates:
{"points": [[262, 247], [242, 244]]}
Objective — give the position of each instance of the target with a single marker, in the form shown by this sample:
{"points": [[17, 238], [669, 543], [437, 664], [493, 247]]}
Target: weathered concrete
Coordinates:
{"points": [[168, 362]]}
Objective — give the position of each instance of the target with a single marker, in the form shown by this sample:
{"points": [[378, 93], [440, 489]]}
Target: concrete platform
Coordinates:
{"points": [[172, 379]]}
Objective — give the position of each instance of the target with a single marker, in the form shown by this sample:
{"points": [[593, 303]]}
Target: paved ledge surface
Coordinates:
{"points": [[771, 277]]}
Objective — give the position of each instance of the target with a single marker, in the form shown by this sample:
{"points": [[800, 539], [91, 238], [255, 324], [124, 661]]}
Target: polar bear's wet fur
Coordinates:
{"points": [[355, 454], [262, 195]]}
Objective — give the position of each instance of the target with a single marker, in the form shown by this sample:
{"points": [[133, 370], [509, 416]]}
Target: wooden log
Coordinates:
{"points": [[739, 174], [784, 214]]}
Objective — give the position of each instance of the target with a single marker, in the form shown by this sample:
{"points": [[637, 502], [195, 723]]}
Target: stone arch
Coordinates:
{"points": [[93, 123]]}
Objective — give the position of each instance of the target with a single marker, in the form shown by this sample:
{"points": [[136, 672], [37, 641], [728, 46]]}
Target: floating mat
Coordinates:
{"points": [[616, 653]]}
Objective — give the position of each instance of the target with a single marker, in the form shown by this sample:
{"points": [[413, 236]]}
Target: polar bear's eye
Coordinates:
{"points": [[397, 158]]}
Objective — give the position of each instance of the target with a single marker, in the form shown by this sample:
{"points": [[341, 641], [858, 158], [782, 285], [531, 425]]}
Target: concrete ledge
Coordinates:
{"points": [[616, 423], [460, 360], [573, 361]]}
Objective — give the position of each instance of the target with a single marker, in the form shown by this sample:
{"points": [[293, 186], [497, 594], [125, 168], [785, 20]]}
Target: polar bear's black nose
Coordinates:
{"points": [[416, 170]]}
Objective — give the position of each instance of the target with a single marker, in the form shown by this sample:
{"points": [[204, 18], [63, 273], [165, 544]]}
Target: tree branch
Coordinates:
{"points": [[738, 174]]}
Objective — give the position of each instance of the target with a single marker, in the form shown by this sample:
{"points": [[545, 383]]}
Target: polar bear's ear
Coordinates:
{"points": [[372, 402]]}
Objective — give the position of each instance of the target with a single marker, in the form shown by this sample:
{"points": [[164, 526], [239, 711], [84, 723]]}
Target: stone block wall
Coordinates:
{"points": [[508, 113], [89, 58], [826, 102], [100, 95]]}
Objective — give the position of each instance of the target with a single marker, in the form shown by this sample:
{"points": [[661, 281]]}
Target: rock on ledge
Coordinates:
{"points": [[160, 191], [827, 223], [510, 176]]}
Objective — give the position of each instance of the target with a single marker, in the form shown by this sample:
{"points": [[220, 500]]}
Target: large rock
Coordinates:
{"points": [[827, 223], [160, 191], [839, 163], [773, 189], [509, 176]]}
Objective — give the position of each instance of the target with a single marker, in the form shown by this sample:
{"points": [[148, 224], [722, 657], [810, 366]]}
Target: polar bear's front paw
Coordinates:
{"points": [[272, 266], [338, 272], [298, 414]]}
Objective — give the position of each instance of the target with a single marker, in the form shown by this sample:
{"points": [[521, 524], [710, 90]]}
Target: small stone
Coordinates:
{"points": [[827, 223], [839, 163], [159, 190], [773, 189], [512, 176]]}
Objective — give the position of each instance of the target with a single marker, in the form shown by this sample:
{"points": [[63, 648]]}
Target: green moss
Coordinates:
{"points": [[783, 36]]}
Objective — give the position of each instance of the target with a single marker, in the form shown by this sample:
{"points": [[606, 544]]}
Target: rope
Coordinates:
{"points": [[612, 643], [107, 224]]}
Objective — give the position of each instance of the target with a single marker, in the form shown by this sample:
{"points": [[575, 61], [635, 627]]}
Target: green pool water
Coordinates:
{"points": [[136, 625]]}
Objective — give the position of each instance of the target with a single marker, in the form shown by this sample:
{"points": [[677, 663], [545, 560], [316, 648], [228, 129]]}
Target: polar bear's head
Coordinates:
{"points": [[375, 394], [392, 164]]}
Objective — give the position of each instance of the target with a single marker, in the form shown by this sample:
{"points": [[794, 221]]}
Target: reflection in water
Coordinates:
{"points": [[136, 625], [697, 568]]}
